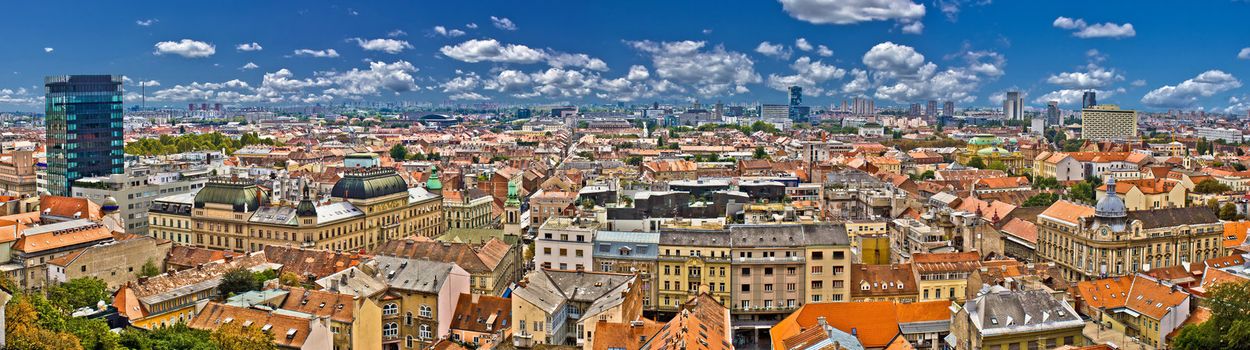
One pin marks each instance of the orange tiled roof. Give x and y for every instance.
(883, 280)
(483, 313)
(1068, 212)
(1138, 293)
(1235, 233)
(1022, 229)
(339, 307)
(214, 315)
(311, 262)
(39, 242)
(876, 323)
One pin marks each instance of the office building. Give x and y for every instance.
(1052, 113)
(915, 110)
(774, 111)
(84, 128)
(796, 96)
(1088, 99)
(931, 109)
(948, 108)
(1108, 122)
(1229, 135)
(134, 191)
(1013, 106)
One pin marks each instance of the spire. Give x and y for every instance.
(433, 184)
(513, 198)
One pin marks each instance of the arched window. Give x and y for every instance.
(425, 332)
(390, 309)
(427, 311)
(408, 318)
(390, 330)
(408, 341)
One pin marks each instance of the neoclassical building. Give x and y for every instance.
(1109, 240)
(366, 208)
(989, 149)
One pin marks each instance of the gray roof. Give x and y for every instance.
(353, 281)
(1007, 312)
(418, 194)
(549, 289)
(413, 274)
(628, 237)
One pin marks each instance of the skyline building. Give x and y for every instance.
(1013, 106)
(931, 109)
(83, 129)
(1108, 122)
(1052, 113)
(1089, 99)
(948, 108)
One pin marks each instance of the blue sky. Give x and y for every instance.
(1147, 55)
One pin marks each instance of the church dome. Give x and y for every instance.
(1111, 206)
(241, 195)
(983, 140)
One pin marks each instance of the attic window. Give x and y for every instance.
(227, 320)
(993, 320)
(266, 328)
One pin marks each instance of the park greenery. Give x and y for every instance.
(166, 144)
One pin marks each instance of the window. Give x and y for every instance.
(408, 341)
(746, 271)
(390, 309)
(768, 287)
(746, 288)
(818, 255)
(816, 270)
(390, 330)
(818, 284)
(768, 271)
(426, 311)
(425, 332)
(408, 318)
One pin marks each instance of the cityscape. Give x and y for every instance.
(693, 175)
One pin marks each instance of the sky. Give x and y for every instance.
(1148, 55)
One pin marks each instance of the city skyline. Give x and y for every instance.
(896, 52)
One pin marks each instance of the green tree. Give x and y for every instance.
(233, 336)
(1229, 325)
(236, 281)
(1082, 192)
(1044, 199)
(997, 165)
(634, 160)
(79, 292)
(177, 336)
(149, 269)
(399, 152)
(760, 153)
(1210, 186)
(976, 162)
(927, 174)
(1237, 165)
(1228, 212)
(1044, 183)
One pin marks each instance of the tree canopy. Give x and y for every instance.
(194, 142)
(79, 292)
(237, 281)
(1210, 186)
(1229, 325)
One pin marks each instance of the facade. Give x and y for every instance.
(467, 209)
(1108, 122)
(565, 244)
(1145, 194)
(492, 265)
(1109, 240)
(631, 252)
(1229, 135)
(691, 262)
(1007, 320)
(170, 218)
(43, 243)
(84, 128)
(555, 307)
(944, 276)
(1139, 306)
(420, 300)
(1013, 106)
(115, 263)
(482, 320)
(170, 298)
(135, 190)
(366, 208)
(17, 174)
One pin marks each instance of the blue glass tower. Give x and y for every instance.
(84, 128)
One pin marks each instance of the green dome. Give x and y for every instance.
(434, 184)
(992, 151)
(370, 183)
(241, 195)
(983, 140)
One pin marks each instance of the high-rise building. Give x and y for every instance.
(796, 95)
(915, 110)
(863, 106)
(931, 109)
(84, 128)
(1108, 122)
(1013, 106)
(1052, 113)
(1088, 99)
(948, 109)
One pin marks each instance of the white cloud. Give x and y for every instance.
(149, 83)
(450, 33)
(381, 76)
(19, 96)
(490, 50)
(146, 22)
(808, 74)
(899, 73)
(1071, 97)
(249, 66)
(396, 33)
(853, 11)
(1097, 30)
(1094, 77)
(508, 81)
(327, 53)
(186, 48)
(707, 31)
(561, 60)
(48, 49)
(471, 25)
(824, 51)
(913, 28)
(468, 96)
(1187, 93)
(391, 46)
(1138, 83)
(1244, 54)
(638, 72)
(462, 83)
(773, 50)
(802, 44)
(711, 72)
(248, 47)
(502, 23)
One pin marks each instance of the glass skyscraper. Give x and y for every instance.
(84, 128)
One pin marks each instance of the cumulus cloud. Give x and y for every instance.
(450, 33)
(381, 76)
(146, 22)
(773, 50)
(396, 33)
(1138, 83)
(1187, 93)
(1244, 54)
(638, 72)
(186, 48)
(19, 96)
(468, 96)
(853, 11)
(249, 66)
(824, 51)
(391, 46)
(1098, 30)
(810, 75)
(471, 25)
(48, 49)
(1094, 76)
(283, 86)
(327, 53)
(462, 83)
(802, 44)
(490, 50)
(711, 72)
(248, 47)
(913, 28)
(502, 23)
(561, 60)
(901, 74)
(1072, 97)
(951, 8)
